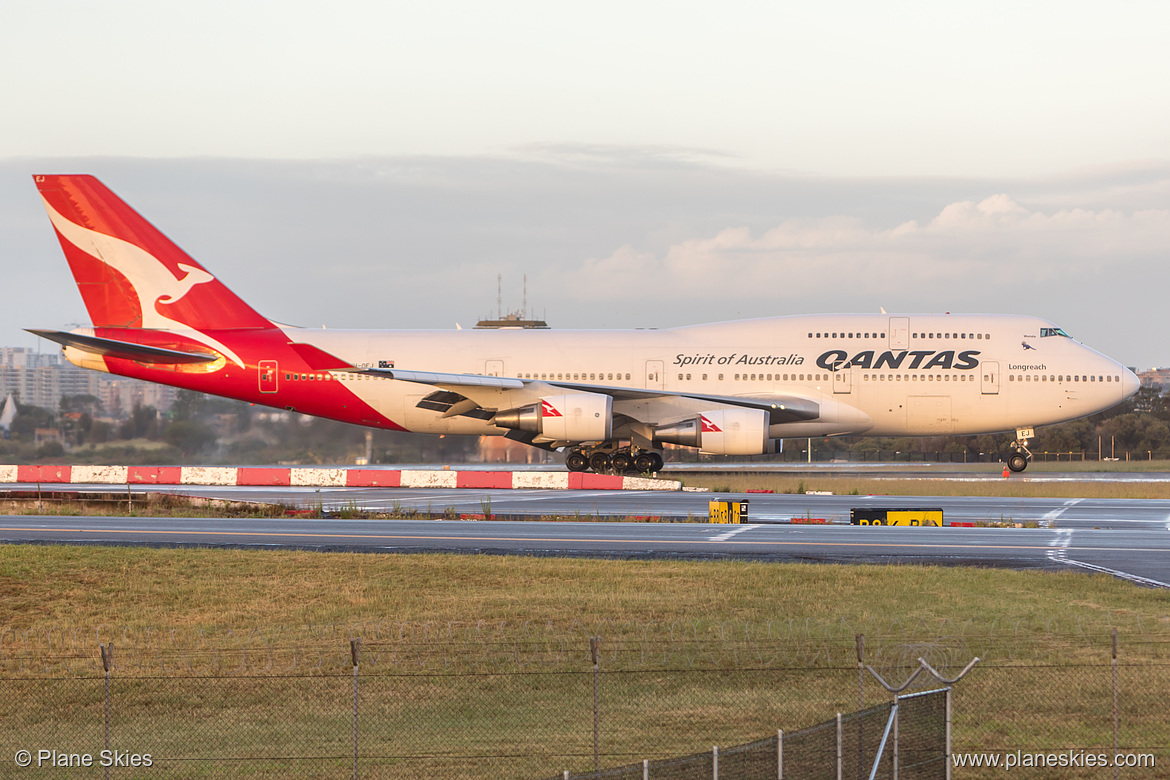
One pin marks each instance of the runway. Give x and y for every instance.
(1127, 538)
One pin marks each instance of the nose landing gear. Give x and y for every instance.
(1018, 460)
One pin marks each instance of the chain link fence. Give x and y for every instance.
(496, 701)
(905, 738)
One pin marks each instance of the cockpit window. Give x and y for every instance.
(1046, 332)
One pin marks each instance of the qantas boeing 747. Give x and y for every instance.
(609, 399)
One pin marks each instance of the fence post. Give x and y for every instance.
(949, 761)
(839, 753)
(860, 639)
(714, 762)
(780, 754)
(355, 646)
(595, 652)
(107, 661)
(895, 775)
(1116, 768)
(645, 769)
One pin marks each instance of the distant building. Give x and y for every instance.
(498, 449)
(1155, 376)
(516, 319)
(42, 436)
(41, 378)
(513, 320)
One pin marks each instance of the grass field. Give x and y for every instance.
(230, 662)
(43, 586)
(1013, 487)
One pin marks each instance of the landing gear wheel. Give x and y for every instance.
(1017, 462)
(576, 461)
(655, 462)
(643, 463)
(599, 462)
(622, 462)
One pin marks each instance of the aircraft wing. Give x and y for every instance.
(781, 409)
(445, 380)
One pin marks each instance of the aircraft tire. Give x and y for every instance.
(656, 462)
(622, 462)
(1017, 461)
(576, 461)
(599, 462)
(643, 463)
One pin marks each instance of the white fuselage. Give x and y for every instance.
(880, 375)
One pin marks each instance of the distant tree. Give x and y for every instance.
(188, 405)
(141, 424)
(29, 418)
(50, 449)
(189, 436)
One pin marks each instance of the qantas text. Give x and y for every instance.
(836, 359)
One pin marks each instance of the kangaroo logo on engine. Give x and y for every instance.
(836, 359)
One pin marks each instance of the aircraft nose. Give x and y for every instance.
(1129, 383)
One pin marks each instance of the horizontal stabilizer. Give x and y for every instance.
(123, 349)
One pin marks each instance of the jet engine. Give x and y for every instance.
(722, 432)
(571, 417)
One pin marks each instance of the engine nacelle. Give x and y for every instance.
(721, 432)
(571, 417)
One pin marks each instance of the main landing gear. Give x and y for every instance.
(1018, 460)
(608, 458)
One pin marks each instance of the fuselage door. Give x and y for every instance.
(990, 369)
(493, 368)
(843, 380)
(899, 333)
(267, 369)
(654, 376)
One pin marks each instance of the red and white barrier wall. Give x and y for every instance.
(325, 477)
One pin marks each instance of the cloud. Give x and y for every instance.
(640, 237)
(984, 245)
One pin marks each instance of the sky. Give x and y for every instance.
(379, 164)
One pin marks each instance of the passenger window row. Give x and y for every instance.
(1062, 378)
(579, 377)
(918, 377)
(847, 335)
(952, 336)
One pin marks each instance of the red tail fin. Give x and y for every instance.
(129, 273)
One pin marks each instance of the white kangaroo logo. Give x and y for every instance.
(153, 282)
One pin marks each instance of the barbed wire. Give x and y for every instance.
(486, 645)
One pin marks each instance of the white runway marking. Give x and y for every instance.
(1049, 517)
(729, 534)
(1061, 543)
(1060, 555)
(1121, 574)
